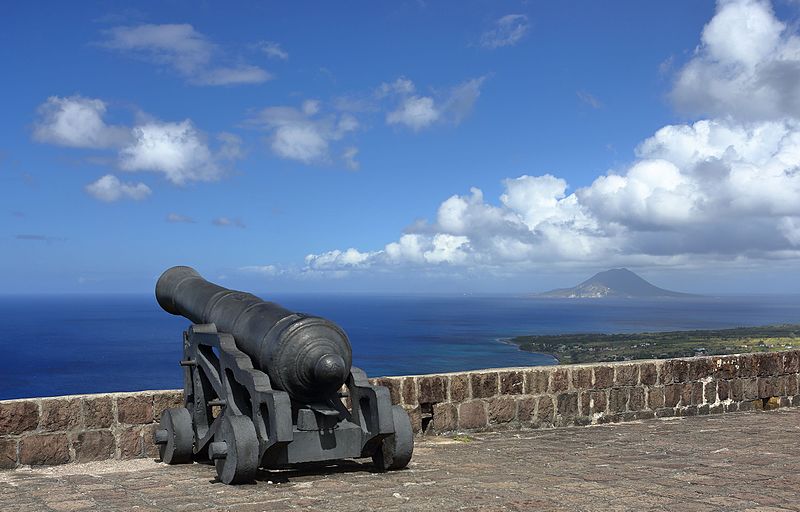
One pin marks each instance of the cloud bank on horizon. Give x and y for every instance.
(723, 188)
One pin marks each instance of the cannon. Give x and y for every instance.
(265, 387)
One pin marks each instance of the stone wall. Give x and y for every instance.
(47, 431)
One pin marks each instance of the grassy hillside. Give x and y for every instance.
(590, 348)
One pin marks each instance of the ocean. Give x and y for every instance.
(71, 344)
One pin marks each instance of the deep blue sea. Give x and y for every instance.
(57, 345)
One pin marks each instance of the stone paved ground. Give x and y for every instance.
(742, 461)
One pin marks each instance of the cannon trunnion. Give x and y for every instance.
(264, 388)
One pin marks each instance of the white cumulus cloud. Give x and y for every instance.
(77, 122)
(304, 134)
(417, 111)
(109, 189)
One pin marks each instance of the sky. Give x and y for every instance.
(409, 147)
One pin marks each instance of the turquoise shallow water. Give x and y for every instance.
(56, 345)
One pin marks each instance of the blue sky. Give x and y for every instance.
(417, 146)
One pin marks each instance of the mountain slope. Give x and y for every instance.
(617, 282)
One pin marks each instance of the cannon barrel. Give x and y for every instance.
(306, 356)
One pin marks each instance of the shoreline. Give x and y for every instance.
(599, 347)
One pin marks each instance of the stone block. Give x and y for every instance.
(770, 364)
(512, 383)
(93, 445)
(749, 389)
(676, 371)
(672, 394)
(581, 378)
(617, 400)
(723, 390)
(655, 397)
(484, 385)
(44, 449)
(97, 412)
(472, 415)
(8, 453)
(791, 362)
(603, 377)
(148, 443)
(129, 443)
(432, 389)
(636, 399)
(747, 365)
(536, 382)
(648, 374)
(790, 384)
(700, 368)
(772, 403)
(459, 388)
(716, 409)
(445, 417)
(626, 375)
(135, 409)
(559, 380)
(545, 411)
(567, 407)
(60, 414)
(598, 403)
(415, 417)
(710, 392)
(665, 412)
(409, 391)
(526, 408)
(703, 410)
(169, 399)
(725, 367)
(502, 409)
(18, 416)
(768, 387)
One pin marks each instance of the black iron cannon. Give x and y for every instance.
(264, 388)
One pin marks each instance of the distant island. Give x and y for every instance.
(591, 348)
(614, 283)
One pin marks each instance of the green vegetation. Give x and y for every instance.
(591, 348)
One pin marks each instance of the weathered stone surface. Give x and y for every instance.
(459, 387)
(432, 389)
(672, 394)
(93, 445)
(484, 385)
(710, 392)
(44, 449)
(791, 362)
(129, 443)
(790, 384)
(648, 374)
(581, 378)
(636, 399)
(655, 398)
(617, 400)
(415, 417)
(18, 416)
(723, 390)
(536, 382)
(512, 383)
(445, 417)
(8, 453)
(409, 391)
(559, 380)
(747, 365)
(676, 370)
(603, 377)
(768, 387)
(148, 443)
(526, 408)
(135, 409)
(97, 412)
(770, 364)
(598, 403)
(626, 375)
(567, 407)
(701, 367)
(472, 415)
(167, 400)
(749, 389)
(60, 414)
(725, 367)
(502, 409)
(545, 411)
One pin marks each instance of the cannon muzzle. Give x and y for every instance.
(306, 356)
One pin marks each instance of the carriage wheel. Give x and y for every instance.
(175, 436)
(395, 451)
(235, 450)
